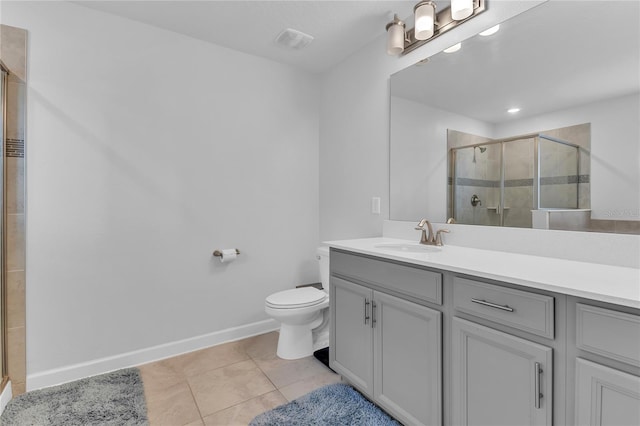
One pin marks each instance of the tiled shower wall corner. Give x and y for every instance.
(13, 51)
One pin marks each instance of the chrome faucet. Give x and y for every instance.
(430, 239)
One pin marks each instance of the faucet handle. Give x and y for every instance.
(439, 236)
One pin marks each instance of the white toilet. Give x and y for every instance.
(303, 314)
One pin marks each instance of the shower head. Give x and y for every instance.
(482, 149)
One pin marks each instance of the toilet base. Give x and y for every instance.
(295, 341)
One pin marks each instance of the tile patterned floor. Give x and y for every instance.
(228, 384)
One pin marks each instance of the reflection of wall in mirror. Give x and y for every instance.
(418, 153)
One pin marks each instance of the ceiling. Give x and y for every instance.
(340, 28)
(552, 57)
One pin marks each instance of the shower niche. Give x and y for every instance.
(524, 181)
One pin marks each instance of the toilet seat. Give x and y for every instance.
(296, 298)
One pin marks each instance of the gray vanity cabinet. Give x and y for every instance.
(499, 379)
(607, 384)
(407, 360)
(389, 348)
(351, 346)
(606, 396)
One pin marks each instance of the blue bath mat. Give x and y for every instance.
(332, 405)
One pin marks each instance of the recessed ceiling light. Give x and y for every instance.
(490, 31)
(453, 48)
(513, 110)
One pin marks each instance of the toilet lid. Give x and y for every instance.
(296, 298)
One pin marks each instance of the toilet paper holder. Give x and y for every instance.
(218, 253)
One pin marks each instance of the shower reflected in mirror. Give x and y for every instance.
(518, 181)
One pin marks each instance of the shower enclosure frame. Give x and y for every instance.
(4, 74)
(536, 169)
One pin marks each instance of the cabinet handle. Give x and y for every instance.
(373, 313)
(492, 305)
(366, 311)
(537, 396)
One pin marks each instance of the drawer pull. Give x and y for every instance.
(492, 305)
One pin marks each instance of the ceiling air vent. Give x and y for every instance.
(293, 39)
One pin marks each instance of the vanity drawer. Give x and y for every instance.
(609, 333)
(405, 279)
(526, 311)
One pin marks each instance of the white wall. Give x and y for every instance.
(146, 151)
(615, 151)
(354, 133)
(419, 133)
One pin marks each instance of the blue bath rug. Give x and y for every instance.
(332, 405)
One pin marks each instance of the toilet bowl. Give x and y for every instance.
(303, 314)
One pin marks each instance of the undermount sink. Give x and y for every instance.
(409, 248)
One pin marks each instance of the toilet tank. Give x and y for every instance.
(323, 263)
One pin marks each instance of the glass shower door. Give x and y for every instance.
(476, 184)
(559, 174)
(518, 184)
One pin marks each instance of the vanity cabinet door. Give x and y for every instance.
(351, 347)
(499, 379)
(407, 360)
(605, 396)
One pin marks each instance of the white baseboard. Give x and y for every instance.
(130, 359)
(5, 396)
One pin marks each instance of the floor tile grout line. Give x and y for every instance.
(202, 417)
(195, 401)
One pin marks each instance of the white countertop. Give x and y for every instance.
(613, 284)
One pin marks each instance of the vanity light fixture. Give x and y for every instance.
(395, 36)
(490, 31)
(513, 110)
(453, 48)
(429, 24)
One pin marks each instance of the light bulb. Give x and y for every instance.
(461, 9)
(425, 20)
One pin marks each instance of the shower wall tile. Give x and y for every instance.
(13, 50)
(16, 354)
(18, 388)
(15, 242)
(519, 217)
(584, 196)
(598, 225)
(627, 227)
(569, 220)
(15, 299)
(16, 96)
(14, 185)
(559, 196)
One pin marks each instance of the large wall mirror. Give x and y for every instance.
(568, 159)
